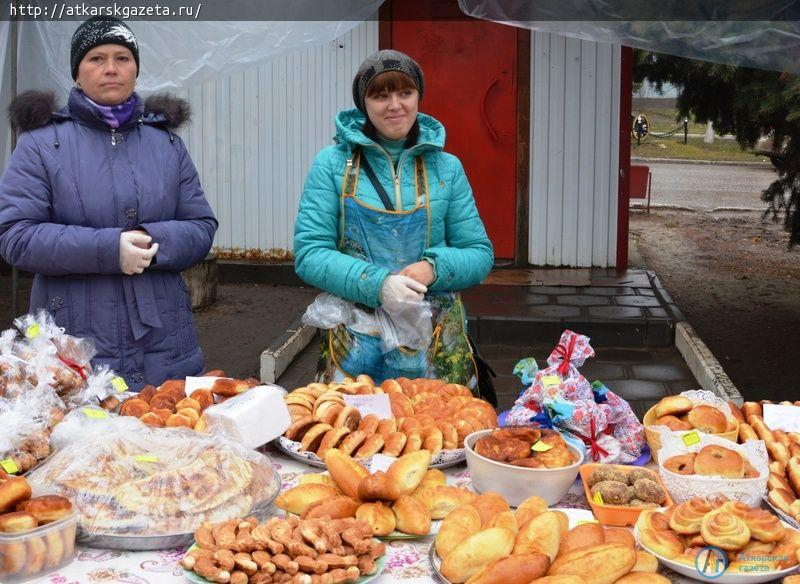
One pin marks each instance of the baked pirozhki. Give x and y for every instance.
(679, 414)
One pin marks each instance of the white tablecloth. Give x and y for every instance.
(407, 560)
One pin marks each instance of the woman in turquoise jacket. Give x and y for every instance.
(388, 218)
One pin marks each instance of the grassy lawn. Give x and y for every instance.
(695, 149)
(663, 120)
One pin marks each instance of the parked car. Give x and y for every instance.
(772, 146)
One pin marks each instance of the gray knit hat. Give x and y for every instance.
(101, 30)
(380, 62)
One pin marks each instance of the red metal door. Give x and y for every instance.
(471, 87)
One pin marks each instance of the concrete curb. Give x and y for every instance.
(705, 367)
(711, 162)
(276, 358)
(669, 207)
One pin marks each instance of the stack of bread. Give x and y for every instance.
(484, 542)
(753, 538)
(405, 498)
(27, 545)
(290, 550)
(679, 413)
(427, 414)
(168, 405)
(784, 455)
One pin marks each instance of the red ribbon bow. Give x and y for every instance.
(566, 354)
(594, 448)
(80, 369)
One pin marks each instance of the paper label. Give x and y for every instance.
(381, 462)
(778, 417)
(598, 498)
(195, 383)
(146, 458)
(377, 404)
(119, 384)
(33, 331)
(549, 380)
(9, 466)
(94, 414)
(691, 438)
(541, 446)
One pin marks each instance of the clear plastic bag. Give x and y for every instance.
(25, 425)
(97, 388)
(145, 481)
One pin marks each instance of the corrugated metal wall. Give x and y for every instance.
(574, 151)
(254, 136)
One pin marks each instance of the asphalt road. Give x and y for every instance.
(706, 187)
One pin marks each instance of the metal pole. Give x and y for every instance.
(14, 69)
(685, 130)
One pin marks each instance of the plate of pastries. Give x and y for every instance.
(405, 501)
(169, 406)
(290, 549)
(37, 530)
(487, 542)
(712, 460)
(137, 487)
(525, 447)
(758, 546)
(427, 414)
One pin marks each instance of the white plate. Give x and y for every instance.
(724, 578)
(575, 516)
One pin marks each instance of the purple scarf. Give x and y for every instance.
(115, 115)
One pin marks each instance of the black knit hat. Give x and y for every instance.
(101, 30)
(381, 62)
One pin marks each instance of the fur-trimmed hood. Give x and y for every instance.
(33, 109)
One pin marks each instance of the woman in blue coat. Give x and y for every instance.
(387, 218)
(102, 202)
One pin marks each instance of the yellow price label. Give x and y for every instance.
(549, 380)
(33, 331)
(598, 498)
(95, 414)
(146, 458)
(9, 466)
(541, 446)
(119, 384)
(691, 438)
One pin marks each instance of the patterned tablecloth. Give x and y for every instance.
(407, 559)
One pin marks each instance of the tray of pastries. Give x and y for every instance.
(427, 414)
(150, 488)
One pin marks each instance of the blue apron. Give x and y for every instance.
(393, 240)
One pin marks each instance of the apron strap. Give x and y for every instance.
(376, 184)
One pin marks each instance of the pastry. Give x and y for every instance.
(514, 569)
(378, 516)
(649, 491)
(441, 500)
(751, 409)
(489, 505)
(620, 536)
(724, 530)
(298, 499)
(47, 508)
(793, 474)
(583, 535)
(612, 492)
(673, 423)
(13, 491)
(643, 578)
(599, 564)
(411, 516)
(369, 424)
(662, 543)
(682, 464)
(687, 516)
(673, 405)
(59, 546)
(607, 472)
(407, 471)
(178, 420)
(336, 507)
(36, 556)
(394, 442)
(348, 417)
(708, 419)
(541, 534)
(507, 520)
(331, 439)
(346, 472)
(461, 523)
(530, 508)
(314, 435)
(371, 445)
(378, 487)
(433, 478)
(746, 433)
(716, 460)
(764, 526)
(475, 552)
(229, 387)
(17, 521)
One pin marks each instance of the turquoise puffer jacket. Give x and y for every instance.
(459, 247)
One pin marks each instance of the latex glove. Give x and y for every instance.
(134, 255)
(398, 290)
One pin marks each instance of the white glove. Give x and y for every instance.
(399, 290)
(134, 253)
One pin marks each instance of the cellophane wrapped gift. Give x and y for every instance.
(561, 396)
(145, 481)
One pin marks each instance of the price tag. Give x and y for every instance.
(541, 446)
(95, 414)
(377, 404)
(381, 462)
(582, 521)
(691, 438)
(9, 466)
(119, 384)
(598, 498)
(33, 331)
(549, 380)
(146, 458)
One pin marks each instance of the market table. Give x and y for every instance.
(407, 559)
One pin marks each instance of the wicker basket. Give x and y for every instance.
(654, 439)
